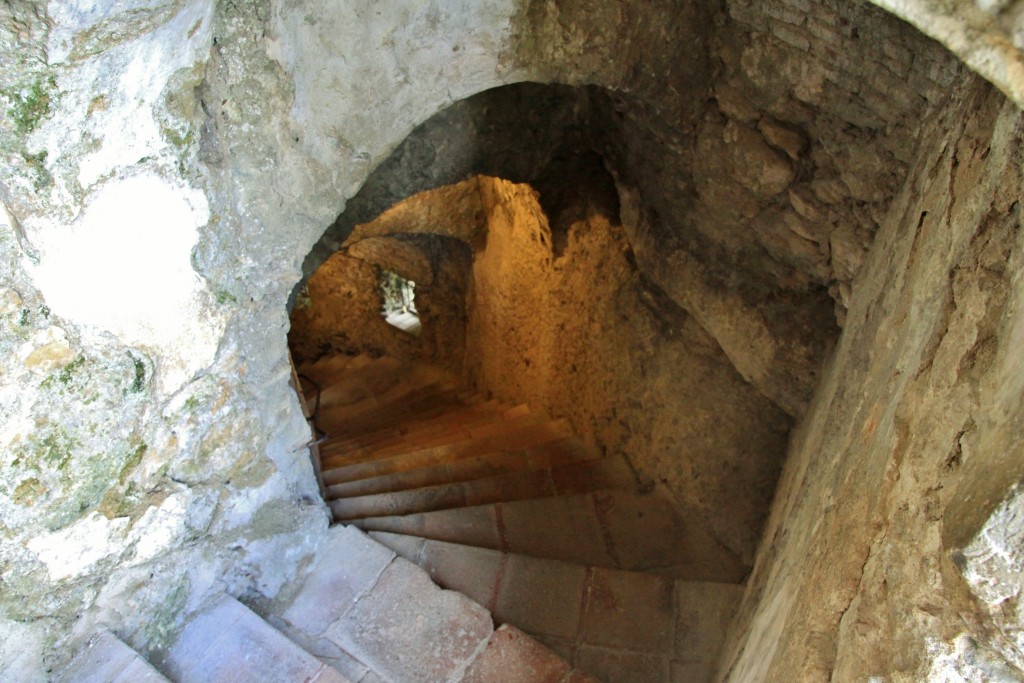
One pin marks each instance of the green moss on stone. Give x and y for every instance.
(162, 624)
(65, 375)
(55, 449)
(132, 461)
(138, 384)
(117, 503)
(31, 102)
(37, 162)
(28, 491)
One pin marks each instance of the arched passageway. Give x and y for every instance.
(782, 170)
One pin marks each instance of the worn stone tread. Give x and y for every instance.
(518, 434)
(635, 530)
(375, 412)
(107, 659)
(540, 457)
(603, 473)
(227, 642)
(422, 422)
(612, 624)
(503, 424)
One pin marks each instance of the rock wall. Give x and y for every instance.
(179, 160)
(340, 309)
(878, 559)
(151, 447)
(583, 334)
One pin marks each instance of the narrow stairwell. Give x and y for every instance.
(475, 542)
(511, 509)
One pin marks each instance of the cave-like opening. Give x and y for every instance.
(516, 211)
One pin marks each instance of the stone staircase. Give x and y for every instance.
(456, 513)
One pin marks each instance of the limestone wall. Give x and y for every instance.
(340, 309)
(178, 160)
(861, 569)
(583, 334)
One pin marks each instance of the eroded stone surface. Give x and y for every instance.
(267, 122)
(914, 419)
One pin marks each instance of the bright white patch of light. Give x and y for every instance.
(125, 267)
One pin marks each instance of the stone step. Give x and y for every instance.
(615, 625)
(383, 379)
(511, 656)
(610, 472)
(372, 413)
(395, 402)
(375, 616)
(422, 404)
(515, 434)
(106, 659)
(371, 379)
(411, 434)
(329, 369)
(421, 423)
(228, 642)
(533, 459)
(510, 421)
(618, 529)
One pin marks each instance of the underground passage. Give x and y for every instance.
(512, 341)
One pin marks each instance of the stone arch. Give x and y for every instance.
(279, 113)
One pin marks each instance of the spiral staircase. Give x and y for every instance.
(474, 541)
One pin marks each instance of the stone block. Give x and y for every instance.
(348, 565)
(622, 666)
(474, 572)
(512, 656)
(562, 527)
(610, 472)
(541, 596)
(517, 486)
(785, 13)
(691, 672)
(629, 610)
(645, 530)
(783, 137)
(408, 547)
(790, 35)
(228, 643)
(703, 612)
(408, 629)
(346, 665)
(106, 659)
(476, 525)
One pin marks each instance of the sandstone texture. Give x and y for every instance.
(756, 214)
(891, 549)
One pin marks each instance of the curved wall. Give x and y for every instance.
(262, 119)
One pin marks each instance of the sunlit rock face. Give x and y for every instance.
(785, 169)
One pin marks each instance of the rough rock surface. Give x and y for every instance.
(579, 333)
(901, 479)
(340, 308)
(181, 158)
(585, 335)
